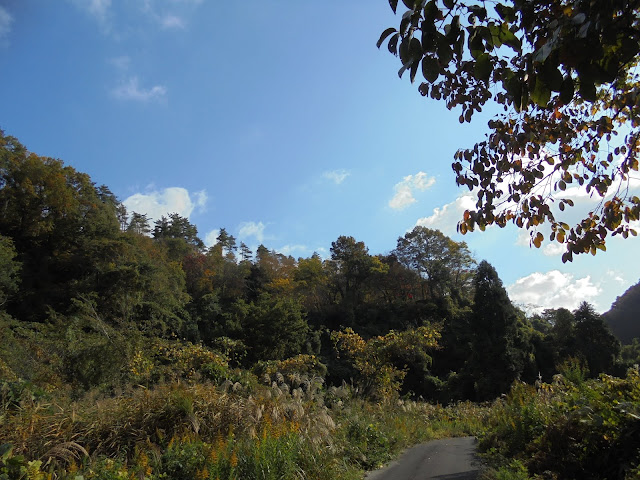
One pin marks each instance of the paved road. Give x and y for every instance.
(446, 459)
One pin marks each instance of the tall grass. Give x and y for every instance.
(289, 427)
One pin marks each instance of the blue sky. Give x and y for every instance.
(277, 119)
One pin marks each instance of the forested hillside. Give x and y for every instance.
(624, 315)
(98, 304)
(86, 275)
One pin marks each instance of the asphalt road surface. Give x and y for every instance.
(446, 459)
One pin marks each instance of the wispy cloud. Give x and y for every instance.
(171, 15)
(99, 9)
(252, 229)
(6, 19)
(121, 63)
(157, 203)
(336, 176)
(553, 289)
(131, 90)
(404, 190)
(170, 21)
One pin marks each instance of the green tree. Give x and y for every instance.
(563, 335)
(274, 328)
(596, 343)
(312, 283)
(54, 215)
(245, 252)
(383, 362)
(227, 242)
(139, 223)
(9, 269)
(565, 74)
(353, 266)
(177, 227)
(445, 267)
(498, 352)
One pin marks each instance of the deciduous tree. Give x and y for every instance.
(565, 74)
(444, 266)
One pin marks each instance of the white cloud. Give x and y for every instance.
(554, 249)
(168, 15)
(523, 239)
(201, 199)
(211, 238)
(130, 90)
(155, 204)
(404, 189)
(336, 176)
(551, 249)
(6, 19)
(252, 229)
(121, 63)
(99, 9)
(553, 289)
(172, 21)
(615, 276)
(447, 217)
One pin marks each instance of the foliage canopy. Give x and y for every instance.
(565, 74)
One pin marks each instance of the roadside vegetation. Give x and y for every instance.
(572, 428)
(269, 427)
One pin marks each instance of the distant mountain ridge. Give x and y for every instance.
(624, 315)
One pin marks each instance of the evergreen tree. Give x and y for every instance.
(594, 339)
(227, 241)
(139, 224)
(497, 356)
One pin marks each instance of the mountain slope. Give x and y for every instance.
(624, 315)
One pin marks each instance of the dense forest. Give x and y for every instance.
(98, 303)
(85, 273)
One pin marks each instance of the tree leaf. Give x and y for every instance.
(403, 69)
(507, 37)
(537, 241)
(449, 3)
(394, 5)
(393, 44)
(588, 90)
(476, 46)
(430, 69)
(405, 23)
(478, 11)
(541, 93)
(483, 67)
(506, 13)
(414, 70)
(566, 90)
(552, 76)
(415, 50)
(405, 57)
(384, 35)
(445, 53)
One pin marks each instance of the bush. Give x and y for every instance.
(589, 429)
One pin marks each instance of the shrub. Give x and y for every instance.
(589, 429)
